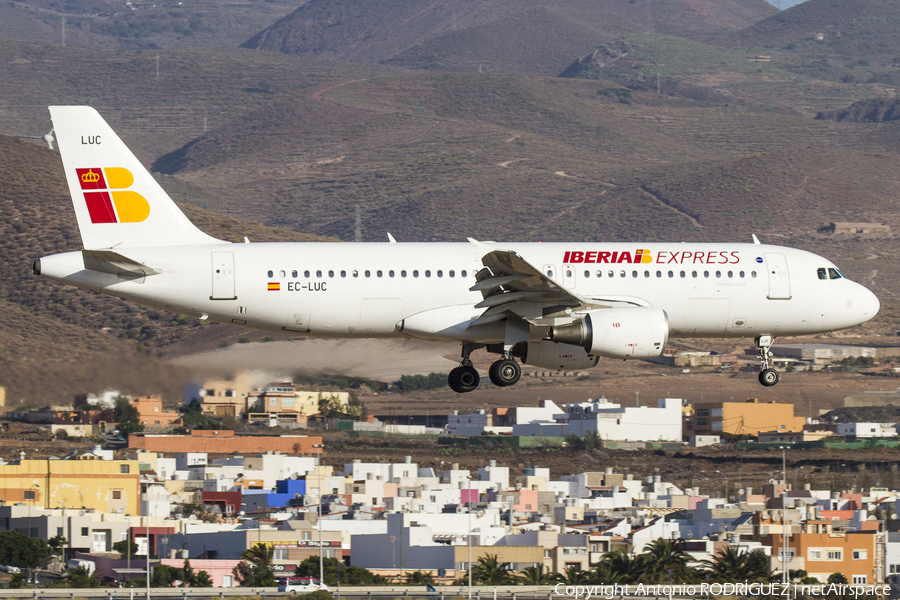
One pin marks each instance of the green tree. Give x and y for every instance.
(731, 565)
(80, 577)
(838, 578)
(419, 578)
(575, 576)
(203, 580)
(255, 568)
(125, 547)
(666, 562)
(619, 567)
(349, 575)
(490, 571)
(127, 418)
(188, 579)
(539, 575)
(24, 552)
(164, 576)
(58, 543)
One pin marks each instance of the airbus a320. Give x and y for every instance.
(550, 305)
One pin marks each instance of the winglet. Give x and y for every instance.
(755, 239)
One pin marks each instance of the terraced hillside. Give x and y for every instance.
(371, 31)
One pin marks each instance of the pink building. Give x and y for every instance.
(219, 569)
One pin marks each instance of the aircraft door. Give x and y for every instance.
(551, 272)
(222, 276)
(779, 277)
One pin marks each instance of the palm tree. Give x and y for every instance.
(666, 562)
(575, 576)
(537, 576)
(255, 568)
(731, 564)
(618, 566)
(490, 571)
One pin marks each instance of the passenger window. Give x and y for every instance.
(550, 273)
(379, 273)
(415, 273)
(331, 273)
(671, 274)
(440, 273)
(390, 273)
(706, 273)
(634, 273)
(646, 273)
(451, 273)
(719, 274)
(427, 273)
(294, 274)
(271, 274)
(694, 274)
(599, 274)
(834, 274)
(753, 274)
(402, 273)
(319, 274)
(741, 274)
(682, 274)
(658, 274)
(368, 273)
(621, 273)
(306, 274)
(343, 273)
(587, 274)
(462, 273)
(355, 273)
(730, 274)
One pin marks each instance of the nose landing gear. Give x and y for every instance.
(767, 375)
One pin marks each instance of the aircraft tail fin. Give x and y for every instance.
(117, 201)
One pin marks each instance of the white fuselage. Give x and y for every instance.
(422, 289)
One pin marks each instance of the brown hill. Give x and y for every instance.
(536, 41)
(873, 110)
(104, 23)
(371, 31)
(862, 29)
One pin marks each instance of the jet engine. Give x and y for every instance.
(550, 355)
(629, 333)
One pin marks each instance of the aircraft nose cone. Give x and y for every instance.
(866, 304)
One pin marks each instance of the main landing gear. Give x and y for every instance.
(767, 375)
(465, 378)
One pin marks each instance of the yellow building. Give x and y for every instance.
(742, 418)
(103, 485)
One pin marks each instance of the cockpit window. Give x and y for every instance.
(823, 274)
(835, 274)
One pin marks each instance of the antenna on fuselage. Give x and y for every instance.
(755, 239)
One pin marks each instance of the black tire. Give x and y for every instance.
(467, 379)
(505, 372)
(768, 377)
(453, 380)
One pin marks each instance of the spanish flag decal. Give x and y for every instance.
(274, 286)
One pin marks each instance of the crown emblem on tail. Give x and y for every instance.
(90, 177)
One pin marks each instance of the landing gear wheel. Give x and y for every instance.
(463, 379)
(768, 377)
(505, 372)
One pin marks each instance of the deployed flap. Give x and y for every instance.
(511, 285)
(107, 261)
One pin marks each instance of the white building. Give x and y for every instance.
(867, 430)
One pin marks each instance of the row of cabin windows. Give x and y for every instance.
(354, 273)
(659, 274)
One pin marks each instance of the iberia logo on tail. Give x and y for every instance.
(108, 198)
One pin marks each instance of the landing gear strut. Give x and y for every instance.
(464, 378)
(767, 375)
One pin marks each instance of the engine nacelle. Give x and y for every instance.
(553, 355)
(630, 333)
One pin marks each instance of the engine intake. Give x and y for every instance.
(630, 333)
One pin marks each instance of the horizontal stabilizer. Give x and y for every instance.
(106, 261)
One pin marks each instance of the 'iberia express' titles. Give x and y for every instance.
(644, 256)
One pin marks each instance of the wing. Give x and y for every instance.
(512, 286)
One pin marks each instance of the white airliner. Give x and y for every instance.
(554, 306)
